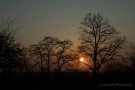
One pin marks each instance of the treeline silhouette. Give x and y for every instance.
(111, 58)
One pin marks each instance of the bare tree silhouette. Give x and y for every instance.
(64, 54)
(99, 41)
(9, 48)
(45, 51)
(37, 52)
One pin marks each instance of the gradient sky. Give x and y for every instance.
(61, 18)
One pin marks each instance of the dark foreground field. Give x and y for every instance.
(66, 81)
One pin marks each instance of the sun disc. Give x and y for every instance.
(81, 59)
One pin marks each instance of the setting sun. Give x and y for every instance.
(81, 59)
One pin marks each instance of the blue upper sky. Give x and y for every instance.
(61, 18)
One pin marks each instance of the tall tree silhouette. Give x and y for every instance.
(9, 48)
(45, 51)
(99, 40)
(65, 53)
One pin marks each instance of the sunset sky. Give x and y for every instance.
(61, 18)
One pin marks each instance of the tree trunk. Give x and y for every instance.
(48, 69)
(94, 69)
(94, 73)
